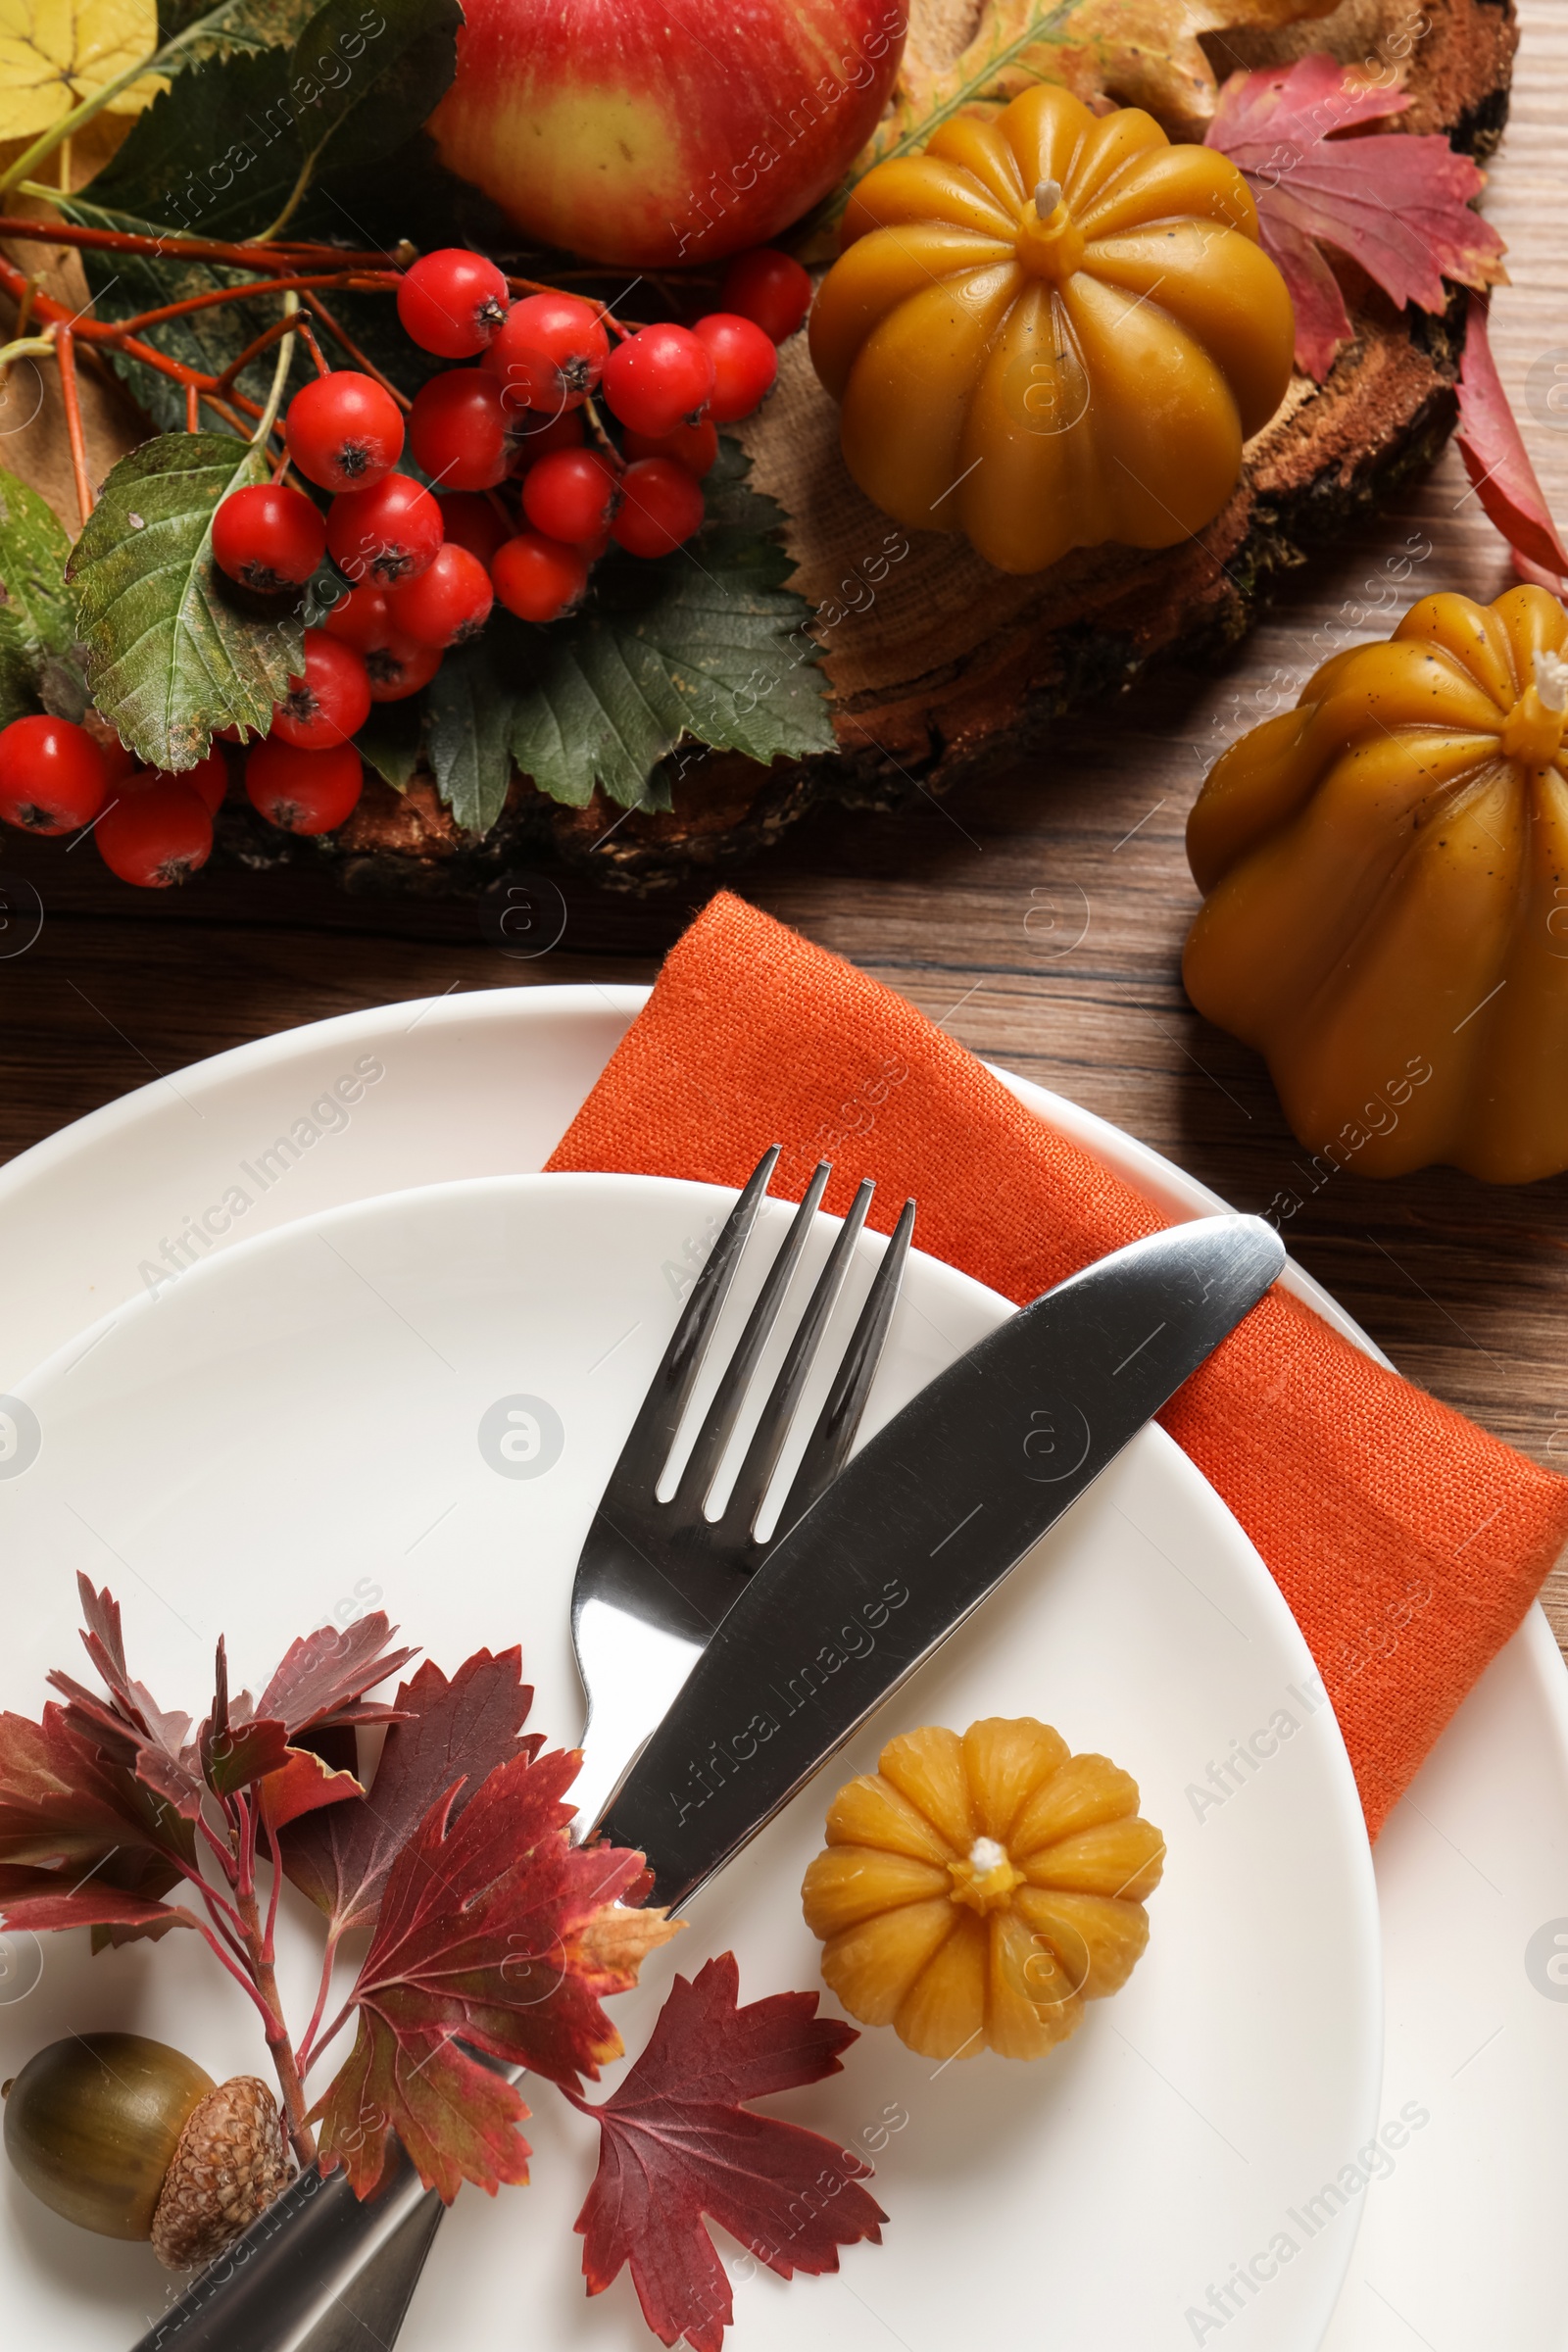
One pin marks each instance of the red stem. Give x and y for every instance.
(273, 334)
(193, 409)
(278, 2040)
(268, 1945)
(305, 2055)
(361, 359)
(237, 1973)
(265, 259)
(219, 1904)
(357, 281)
(333, 2029)
(70, 400)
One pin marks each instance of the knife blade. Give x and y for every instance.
(926, 1521)
(920, 1526)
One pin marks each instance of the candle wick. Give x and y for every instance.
(1048, 195)
(1552, 680)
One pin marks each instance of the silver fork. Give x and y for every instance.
(653, 1581)
(655, 1578)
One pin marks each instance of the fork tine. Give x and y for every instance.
(712, 1439)
(652, 1432)
(829, 1447)
(756, 1472)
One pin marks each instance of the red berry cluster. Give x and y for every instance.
(425, 569)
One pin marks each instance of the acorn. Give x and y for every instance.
(128, 2138)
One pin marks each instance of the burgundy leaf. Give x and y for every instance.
(1496, 459)
(485, 1929)
(171, 1777)
(1397, 205)
(324, 1677)
(94, 1907)
(67, 1806)
(302, 1784)
(105, 1646)
(451, 1732)
(130, 1727)
(241, 1753)
(677, 2143)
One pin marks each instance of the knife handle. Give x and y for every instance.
(298, 2279)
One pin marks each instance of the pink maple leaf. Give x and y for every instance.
(1396, 204)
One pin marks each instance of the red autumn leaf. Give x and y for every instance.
(130, 1727)
(94, 1907)
(484, 1930)
(324, 1677)
(1496, 459)
(449, 1733)
(678, 2143)
(69, 1815)
(301, 1784)
(1398, 204)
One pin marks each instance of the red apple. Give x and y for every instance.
(641, 133)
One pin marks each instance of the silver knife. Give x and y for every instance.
(914, 1532)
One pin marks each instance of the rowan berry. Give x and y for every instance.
(269, 537)
(344, 432)
(452, 302)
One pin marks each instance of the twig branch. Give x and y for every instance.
(360, 358)
(66, 354)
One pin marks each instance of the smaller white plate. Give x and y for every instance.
(307, 1426)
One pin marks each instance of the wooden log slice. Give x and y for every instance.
(936, 662)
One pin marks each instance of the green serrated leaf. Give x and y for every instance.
(170, 652)
(363, 77)
(19, 671)
(215, 155)
(707, 643)
(33, 549)
(389, 741)
(468, 710)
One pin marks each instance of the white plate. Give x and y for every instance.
(1472, 1869)
(299, 1427)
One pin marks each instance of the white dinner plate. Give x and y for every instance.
(1462, 2243)
(307, 1425)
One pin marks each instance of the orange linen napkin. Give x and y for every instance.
(1407, 1543)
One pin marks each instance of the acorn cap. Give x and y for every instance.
(229, 2167)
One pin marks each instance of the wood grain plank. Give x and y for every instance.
(1038, 914)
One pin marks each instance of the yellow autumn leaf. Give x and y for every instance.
(54, 53)
(1137, 51)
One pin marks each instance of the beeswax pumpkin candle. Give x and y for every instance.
(975, 1892)
(1049, 329)
(1387, 911)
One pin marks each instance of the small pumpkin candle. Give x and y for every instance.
(1387, 910)
(1049, 329)
(976, 1892)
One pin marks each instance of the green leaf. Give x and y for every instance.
(362, 78)
(389, 741)
(33, 549)
(19, 671)
(213, 156)
(468, 713)
(255, 25)
(171, 654)
(123, 284)
(707, 643)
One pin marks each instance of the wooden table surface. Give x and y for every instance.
(1038, 915)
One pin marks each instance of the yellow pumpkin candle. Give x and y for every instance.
(1387, 910)
(1049, 329)
(976, 1892)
